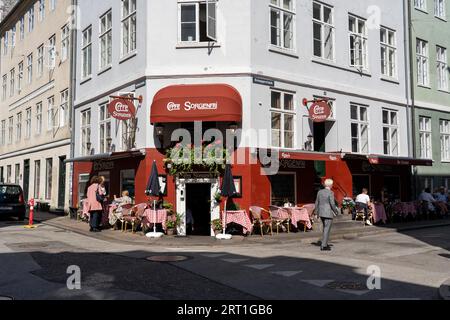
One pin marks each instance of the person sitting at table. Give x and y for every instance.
(363, 201)
(426, 197)
(442, 201)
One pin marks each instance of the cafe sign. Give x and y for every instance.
(190, 106)
(122, 109)
(319, 111)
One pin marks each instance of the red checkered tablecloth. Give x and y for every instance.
(241, 218)
(299, 215)
(379, 213)
(149, 217)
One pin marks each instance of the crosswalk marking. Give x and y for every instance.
(260, 266)
(355, 292)
(318, 283)
(235, 260)
(287, 274)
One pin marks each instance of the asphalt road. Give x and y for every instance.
(34, 265)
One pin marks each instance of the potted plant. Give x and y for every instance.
(347, 205)
(173, 221)
(217, 226)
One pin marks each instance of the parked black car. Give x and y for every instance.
(12, 202)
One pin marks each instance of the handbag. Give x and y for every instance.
(100, 197)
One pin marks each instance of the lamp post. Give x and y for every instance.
(88, 147)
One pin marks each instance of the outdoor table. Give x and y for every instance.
(405, 208)
(148, 217)
(379, 212)
(241, 218)
(299, 215)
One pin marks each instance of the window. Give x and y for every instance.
(40, 61)
(425, 138)
(17, 174)
(8, 173)
(30, 68)
(41, 10)
(28, 124)
(388, 52)
(19, 78)
(323, 28)
(12, 82)
(86, 53)
(22, 28)
(105, 129)
(4, 87)
(48, 178)
(39, 118)
(439, 9)
(444, 126)
(85, 132)
(3, 133)
(37, 179)
(358, 43)
(10, 129)
(127, 181)
(52, 52)
(283, 119)
(64, 108)
(105, 40)
(64, 43)
(282, 25)
(128, 27)
(51, 114)
(31, 19)
(13, 36)
(283, 189)
(422, 62)
(83, 182)
(198, 23)
(19, 127)
(390, 132)
(52, 5)
(359, 128)
(420, 4)
(5, 44)
(442, 68)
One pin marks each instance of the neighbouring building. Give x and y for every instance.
(430, 43)
(244, 67)
(35, 100)
(5, 7)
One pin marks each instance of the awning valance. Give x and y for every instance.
(306, 155)
(196, 102)
(387, 160)
(108, 156)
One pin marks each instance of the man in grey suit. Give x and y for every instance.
(326, 209)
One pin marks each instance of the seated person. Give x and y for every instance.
(363, 201)
(442, 200)
(426, 197)
(124, 200)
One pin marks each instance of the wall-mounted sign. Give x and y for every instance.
(189, 106)
(103, 165)
(292, 164)
(320, 111)
(122, 109)
(264, 82)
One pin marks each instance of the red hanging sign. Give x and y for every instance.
(122, 109)
(320, 111)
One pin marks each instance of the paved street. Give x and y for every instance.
(413, 265)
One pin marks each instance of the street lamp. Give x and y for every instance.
(309, 142)
(109, 143)
(88, 146)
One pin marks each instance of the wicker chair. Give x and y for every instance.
(135, 216)
(262, 218)
(280, 219)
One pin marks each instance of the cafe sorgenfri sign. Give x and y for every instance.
(190, 106)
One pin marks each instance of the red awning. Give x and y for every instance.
(374, 159)
(196, 102)
(307, 155)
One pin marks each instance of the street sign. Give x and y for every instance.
(320, 111)
(122, 109)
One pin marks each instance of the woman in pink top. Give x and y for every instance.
(94, 206)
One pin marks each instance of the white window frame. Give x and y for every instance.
(363, 39)
(196, 4)
(323, 27)
(28, 124)
(392, 128)
(30, 68)
(38, 118)
(440, 9)
(283, 111)
(3, 133)
(64, 108)
(442, 68)
(105, 40)
(13, 36)
(388, 53)
(22, 28)
(10, 130)
(31, 19)
(277, 6)
(104, 121)
(19, 127)
(51, 57)
(19, 77)
(51, 114)
(420, 5)
(5, 43)
(52, 5)
(425, 138)
(40, 61)
(86, 53)
(12, 82)
(444, 128)
(65, 33)
(361, 123)
(422, 59)
(85, 125)
(41, 15)
(4, 87)
(130, 37)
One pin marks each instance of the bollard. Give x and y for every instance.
(31, 215)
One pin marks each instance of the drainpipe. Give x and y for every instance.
(73, 78)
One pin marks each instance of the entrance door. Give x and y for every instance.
(26, 178)
(319, 146)
(198, 198)
(62, 183)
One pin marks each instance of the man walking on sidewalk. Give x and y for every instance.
(326, 209)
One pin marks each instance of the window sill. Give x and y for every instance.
(389, 79)
(197, 45)
(421, 10)
(424, 86)
(444, 91)
(445, 161)
(443, 19)
(286, 52)
(105, 69)
(87, 79)
(335, 65)
(128, 57)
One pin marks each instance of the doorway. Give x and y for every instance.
(198, 197)
(62, 183)
(26, 179)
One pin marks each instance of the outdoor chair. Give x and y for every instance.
(360, 214)
(135, 216)
(262, 218)
(280, 220)
(126, 211)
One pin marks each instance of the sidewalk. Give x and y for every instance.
(343, 229)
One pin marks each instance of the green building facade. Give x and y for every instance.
(430, 53)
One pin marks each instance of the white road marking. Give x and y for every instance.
(318, 283)
(355, 292)
(259, 266)
(235, 260)
(287, 274)
(214, 255)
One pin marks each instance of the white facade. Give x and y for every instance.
(243, 51)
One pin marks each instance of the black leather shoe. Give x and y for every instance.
(325, 248)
